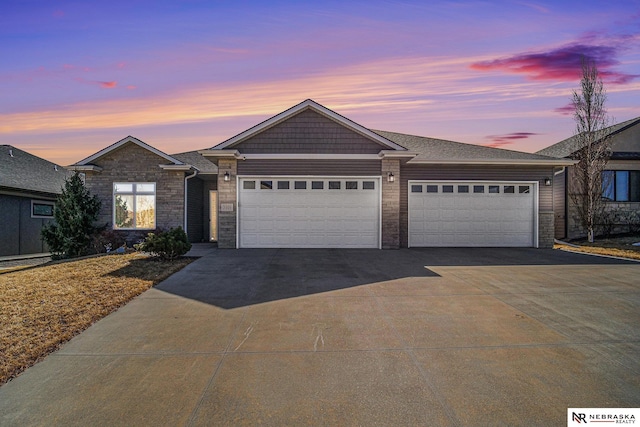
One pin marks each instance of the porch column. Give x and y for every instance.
(227, 203)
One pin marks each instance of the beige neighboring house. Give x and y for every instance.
(309, 177)
(622, 175)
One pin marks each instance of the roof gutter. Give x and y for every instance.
(499, 162)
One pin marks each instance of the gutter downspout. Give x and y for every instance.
(187, 178)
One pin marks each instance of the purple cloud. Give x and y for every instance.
(507, 139)
(566, 110)
(561, 64)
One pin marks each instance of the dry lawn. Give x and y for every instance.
(619, 246)
(45, 306)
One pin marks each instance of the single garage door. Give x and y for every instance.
(482, 214)
(283, 212)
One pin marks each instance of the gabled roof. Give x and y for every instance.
(304, 105)
(198, 161)
(22, 171)
(567, 146)
(128, 139)
(440, 151)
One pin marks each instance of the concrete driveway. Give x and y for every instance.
(435, 337)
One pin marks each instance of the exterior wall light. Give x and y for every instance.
(390, 177)
(547, 181)
(227, 177)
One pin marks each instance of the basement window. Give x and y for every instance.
(41, 209)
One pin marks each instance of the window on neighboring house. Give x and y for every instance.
(134, 205)
(40, 209)
(621, 186)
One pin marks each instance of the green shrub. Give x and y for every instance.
(166, 245)
(75, 212)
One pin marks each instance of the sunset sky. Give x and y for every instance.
(76, 76)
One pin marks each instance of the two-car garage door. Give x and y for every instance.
(309, 212)
(481, 214)
(338, 212)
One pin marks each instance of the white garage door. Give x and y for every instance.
(283, 212)
(482, 214)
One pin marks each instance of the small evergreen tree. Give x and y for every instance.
(75, 212)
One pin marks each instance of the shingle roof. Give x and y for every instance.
(23, 171)
(567, 146)
(196, 160)
(434, 150)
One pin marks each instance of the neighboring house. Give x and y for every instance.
(311, 178)
(29, 186)
(622, 178)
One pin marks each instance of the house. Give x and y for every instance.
(143, 189)
(622, 180)
(29, 186)
(311, 178)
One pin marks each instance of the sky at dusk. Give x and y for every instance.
(77, 76)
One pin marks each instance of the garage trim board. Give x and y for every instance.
(309, 211)
(472, 213)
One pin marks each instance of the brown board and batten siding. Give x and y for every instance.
(195, 208)
(472, 173)
(284, 167)
(559, 205)
(309, 132)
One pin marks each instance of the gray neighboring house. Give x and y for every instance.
(622, 193)
(311, 178)
(29, 186)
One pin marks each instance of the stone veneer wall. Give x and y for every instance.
(545, 229)
(390, 204)
(132, 163)
(227, 198)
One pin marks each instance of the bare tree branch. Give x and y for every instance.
(592, 148)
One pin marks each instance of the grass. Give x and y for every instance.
(42, 307)
(618, 246)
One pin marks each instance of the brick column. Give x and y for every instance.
(227, 203)
(545, 230)
(390, 204)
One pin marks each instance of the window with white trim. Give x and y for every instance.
(134, 205)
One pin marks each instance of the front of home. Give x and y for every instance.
(621, 178)
(311, 178)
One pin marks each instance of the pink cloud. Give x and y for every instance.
(507, 139)
(102, 84)
(566, 110)
(561, 64)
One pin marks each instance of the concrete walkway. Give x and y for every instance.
(434, 337)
